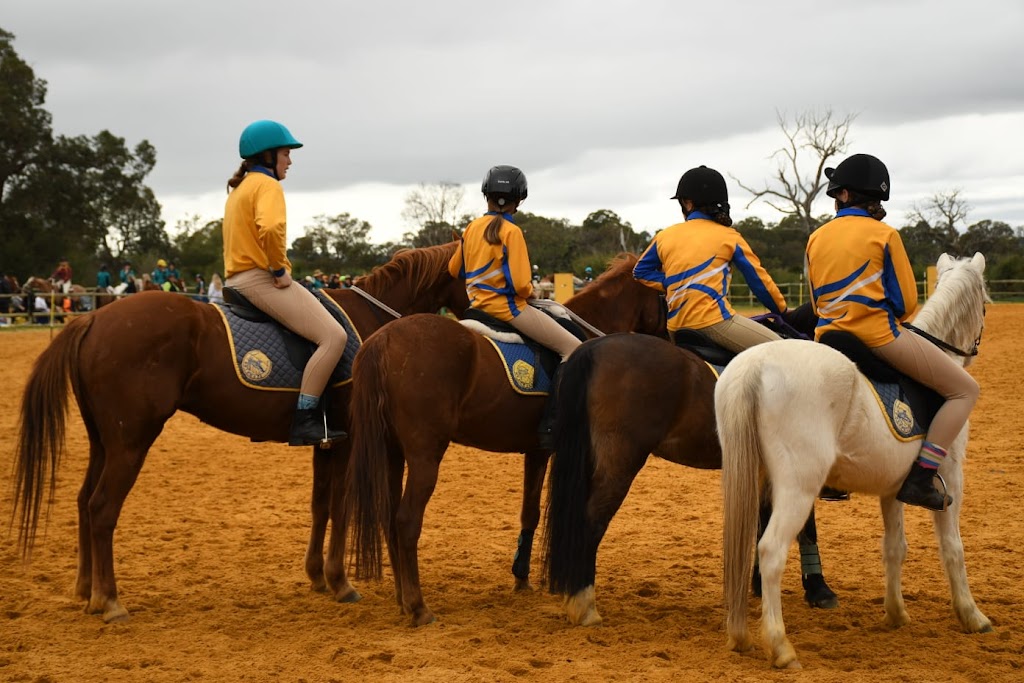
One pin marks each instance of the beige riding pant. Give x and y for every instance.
(739, 333)
(919, 359)
(545, 331)
(299, 311)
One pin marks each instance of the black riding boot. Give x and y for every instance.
(309, 428)
(546, 428)
(919, 489)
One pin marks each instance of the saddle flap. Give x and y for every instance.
(242, 307)
(696, 342)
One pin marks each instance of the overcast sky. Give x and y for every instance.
(602, 103)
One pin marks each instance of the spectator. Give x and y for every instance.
(5, 299)
(41, 309)
(61, 277)
(201, 288)
(216, 292)
(160, 276)
(104, 282)
(174, 279)
(318, 282)
(127, 277)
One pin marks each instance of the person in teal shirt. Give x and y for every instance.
(103, 279)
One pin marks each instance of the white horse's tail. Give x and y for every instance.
(736, 408)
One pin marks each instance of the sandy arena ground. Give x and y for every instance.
(209, 557)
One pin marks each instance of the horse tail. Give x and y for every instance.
(367, 497)
(44, 407)
(569, 551)
(737, 406)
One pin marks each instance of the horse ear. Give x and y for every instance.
(455, 236)
(944, 262)
(978, 261)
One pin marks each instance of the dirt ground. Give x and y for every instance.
(209, 557)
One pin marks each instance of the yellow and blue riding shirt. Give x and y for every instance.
(692, 263)
(860, 277)
(498, 279)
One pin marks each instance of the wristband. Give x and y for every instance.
(279, 272)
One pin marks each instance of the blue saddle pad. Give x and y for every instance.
(904, 423)
(525, 374)
(271, 357)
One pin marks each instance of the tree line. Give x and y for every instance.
(85, 198)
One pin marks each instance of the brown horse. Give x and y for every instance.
(425, 381)
(45, 287)
(180, 347)
(622, 398)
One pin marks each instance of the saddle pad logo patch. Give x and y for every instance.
(902, 417)
(523, 374)
(256, 365)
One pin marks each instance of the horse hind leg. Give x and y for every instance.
(83, 581)
(785, 524)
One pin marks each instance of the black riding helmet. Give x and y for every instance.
(504, 182)
(703, 186)
(861, 173)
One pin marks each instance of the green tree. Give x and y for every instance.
(991, 238)
(549, 240)
(24, 124)
(199, 247)
(337, 244)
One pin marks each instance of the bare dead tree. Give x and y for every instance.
(942, 211)
(812, 138)
(433, 204)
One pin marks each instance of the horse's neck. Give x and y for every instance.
(608, 314)
(953, 315)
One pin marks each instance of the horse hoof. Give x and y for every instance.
(818, 594)
(424, 618)
(115, 615)
(742, 644)
(318, 585)
(523, 585)
(351, 596)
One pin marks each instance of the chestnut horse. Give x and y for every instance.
(622, 398)
(180, 347)
(425, 381)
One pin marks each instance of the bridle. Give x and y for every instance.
(946, 345)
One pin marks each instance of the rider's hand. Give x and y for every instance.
(283, 282)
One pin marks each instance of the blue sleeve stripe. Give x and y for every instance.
(754, 280)
(510, 290)
(648, 268)
(478, 271)
(715, 296)
(891, 285)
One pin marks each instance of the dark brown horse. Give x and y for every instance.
(624, 397)
(425, 381)
(180, 348)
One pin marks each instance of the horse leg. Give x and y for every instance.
(83, 582)
(772, 549)
(419, 487)
(104, 507)
(396, 472)
(617, 464)
(894, 552)
(816, 591)
(951, 550)
(534, 468)
(335, 576)
(320, 502)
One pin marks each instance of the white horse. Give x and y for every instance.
(799, 415)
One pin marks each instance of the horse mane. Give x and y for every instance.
(623, 262)
(955, 312)
(420, 268)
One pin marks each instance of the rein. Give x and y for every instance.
(944, 345)
(544, 303)
(377, 302)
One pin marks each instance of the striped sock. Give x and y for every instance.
(931, 455)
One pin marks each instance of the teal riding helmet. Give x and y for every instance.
(260, 136)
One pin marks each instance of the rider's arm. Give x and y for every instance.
(760, 282)
(649, 269)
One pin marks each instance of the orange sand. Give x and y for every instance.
(209, 557)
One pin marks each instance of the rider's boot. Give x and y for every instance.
(919, 489)
(546, 428)
(309, 428)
